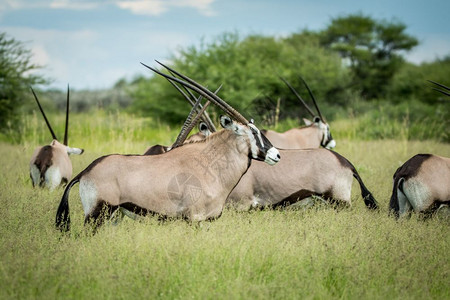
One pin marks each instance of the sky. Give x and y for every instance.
(93, 44)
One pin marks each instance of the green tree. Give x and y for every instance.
(372, 49)
(248, 68)
(15, 78)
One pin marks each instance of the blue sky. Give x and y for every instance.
(92, 44)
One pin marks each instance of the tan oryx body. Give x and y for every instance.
(190, 181)
(299, 175)
(421, 184)
(50, 165)
(315, 134)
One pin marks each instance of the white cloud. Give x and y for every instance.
(158, 7)
(143, 7)
(74, 5)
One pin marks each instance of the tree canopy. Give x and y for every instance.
(15, 77)
(371, 48)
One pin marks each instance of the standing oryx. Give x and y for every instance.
(315, 134)
(300, 174)
(50, 165)
(421, 184)
(190, 181)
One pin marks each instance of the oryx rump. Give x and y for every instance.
(421, 184)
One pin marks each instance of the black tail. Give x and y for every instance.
(393, 203)
(62, 215)
(369, 200)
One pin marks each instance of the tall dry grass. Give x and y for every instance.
(317, 253)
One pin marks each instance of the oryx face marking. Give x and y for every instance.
(261, 148)
(327, 140)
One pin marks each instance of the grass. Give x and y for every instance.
(319, 253)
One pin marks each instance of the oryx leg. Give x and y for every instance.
(443, 211)
(53, 178)
(35, 175)
(403, 204)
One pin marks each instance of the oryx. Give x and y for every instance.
(300, 174)
(190, 181)
(50, 165)
(315, 134)
(421, 184)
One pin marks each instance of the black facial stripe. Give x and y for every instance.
(257, 139)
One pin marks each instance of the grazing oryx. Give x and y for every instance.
(50, 165)
(421, 184)
(300, 174)
(191, 181)
(315, 134)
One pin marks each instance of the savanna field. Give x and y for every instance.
(319, 253)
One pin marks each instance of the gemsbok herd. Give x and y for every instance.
(239, 166)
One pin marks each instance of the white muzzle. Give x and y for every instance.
(272, 156)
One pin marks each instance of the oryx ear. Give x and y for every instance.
(203, 128)
(226, 122)
(307, 122)
(316, 119)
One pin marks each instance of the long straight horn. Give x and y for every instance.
(66, 136)
(442, 86)
(298, 96)
(208, 94)
(313, 99)
(43, 114)
(189, 124)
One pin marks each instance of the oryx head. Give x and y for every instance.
(260, 147)
(327, 140)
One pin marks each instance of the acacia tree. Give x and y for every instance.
(371, 48)
(15, 77)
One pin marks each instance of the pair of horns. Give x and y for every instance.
(446, 88)
(302, 101)
(191, 84)
(48, 123)
(190, 123)
(192, 100)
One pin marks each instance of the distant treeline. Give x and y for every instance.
(355, 68)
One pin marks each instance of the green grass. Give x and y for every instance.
(319, 253)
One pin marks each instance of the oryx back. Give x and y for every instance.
(296, 138)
